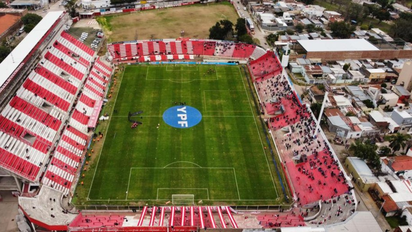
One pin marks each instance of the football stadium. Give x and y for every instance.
(157, 135)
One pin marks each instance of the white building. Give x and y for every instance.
(93, 4)
(313, 11)
(403, 118)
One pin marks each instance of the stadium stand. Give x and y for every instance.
(186, 49)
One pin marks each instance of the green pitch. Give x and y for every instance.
(222, 159)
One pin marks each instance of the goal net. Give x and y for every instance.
(183, 199)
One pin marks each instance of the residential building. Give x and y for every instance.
(403, 118)
(401, 166)
(332, 16)
(360, 172)
(10, 21)
(375, 75)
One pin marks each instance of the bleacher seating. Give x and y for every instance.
(265, 65)
(33, 119)
(61, 63)
(77, 43)
(144, 51)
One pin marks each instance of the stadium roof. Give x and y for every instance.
(360, 221)
(337, 45)
(16, 57)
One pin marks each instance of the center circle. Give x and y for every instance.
(182, 116)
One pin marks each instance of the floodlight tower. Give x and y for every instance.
(285, 60)
(320, 114)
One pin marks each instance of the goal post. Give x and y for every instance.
(183, 199)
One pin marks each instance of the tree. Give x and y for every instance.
(290, 31)
(342, 29)
(308, 2)
(366, 150)
(3, 5)
(246, 38)
(368, 103)
(31, 19)
(346, 66)
(221, 30)
(398, 141)
(272, 38)
(310, 28)
(354, 12)
(384, 151)
(381, 15)
(71, 7)
(384, 85)
(28, 28)
(400, 27)
(4, 52)
(350, 114)
(316, 107)
(299, 27)
(241, 27)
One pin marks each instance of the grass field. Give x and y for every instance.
(220, 160)
(195, 20)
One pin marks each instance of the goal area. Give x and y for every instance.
(183, 199)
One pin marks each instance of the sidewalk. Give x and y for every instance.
(367, 204)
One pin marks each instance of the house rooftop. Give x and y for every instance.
(400, 163)
(377, 116)
(337, 45)
(6, 21)
(330, 112)
(390, 205)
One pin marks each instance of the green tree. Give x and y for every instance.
(28, 28)
(342, 29)
(365, 150)
(71, 7)
(308, 2)
(385, 151)
(354, 12)
(346, 66)
(316, 107)
(31, 19)
(246, 38)
(290, 32)
(310, 28)
(4, 52)
(382, 14)
(221, 30)
(272, 38)
(3, 5)
(241, 27)
(398, 141)
(401, 27)
(299, 27)
(368, 103)
(350, 114)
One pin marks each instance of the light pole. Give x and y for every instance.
(380, 209)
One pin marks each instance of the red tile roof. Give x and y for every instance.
(6, 21)
(400, 163)
(389, 205)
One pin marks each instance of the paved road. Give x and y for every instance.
(259, 33)
(8, 212)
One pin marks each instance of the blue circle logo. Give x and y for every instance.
(182, 116)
